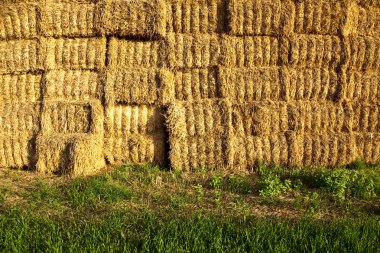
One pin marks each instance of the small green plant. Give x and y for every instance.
(216, 182)
(2, 196)
(272, 186)
(217, 197)
(199, 191)
(363, 185)
(312, 201)
(335, 182)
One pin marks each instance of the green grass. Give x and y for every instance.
(142, 208)
(20, 232)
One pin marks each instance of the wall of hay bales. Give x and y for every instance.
(192, 83)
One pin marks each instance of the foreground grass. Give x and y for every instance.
(144, 208)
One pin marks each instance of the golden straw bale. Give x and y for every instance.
(199, 133)
(192, 51)
(125, 120)
(369, 3)
(195, 16)
(195, 84)
(272, 149)
(71, 85)
(16, 150)
(75, 154)
(132, 85)
(310, 84)
(68, 19)
(134, 18)
(368, 21)
(62, 117)
(321, 16)
(249, 51)
(251, 84)
(361, 86)
(134, 134)
(20, 56)
(361, 53)
(261, 17)
(19, 117)
(128, 54)
(20, 88)
(19, 21)
(311, 51)
(368, 147)
(136, 148)
(79, 53)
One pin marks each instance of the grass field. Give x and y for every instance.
(145, 208)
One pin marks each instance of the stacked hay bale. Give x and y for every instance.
(201, 83)
(70, 140)
(21, 60)
(134, 113)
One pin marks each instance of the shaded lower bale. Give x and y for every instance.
(74, 154)
(363, 86)
(17, 150)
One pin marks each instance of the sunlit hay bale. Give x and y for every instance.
(199, 134)
(67, 19)
(21, 56)
(17, 150)
(368, 147)
(361, 53)
(71, 85)
(272, 149)
(310, 84)
(322, 17)
(361, 86)
(19, 118)
(195, 16)
(261, 17)
(79, 53)
(369, 3)
(61, 117)
(75, 154)
(249, 51)
(124, 54)
(192, 51)
(134, 134)
(18, 21)
(20, 88)
(250, 84)
(368, 21)
(133, 18)
(364, 118)
(138, 86)
(194, 84)
(311, 51)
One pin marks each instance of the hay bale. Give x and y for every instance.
(132, 18)
(368, 21)
(369, 3)
(124, 54)
(310, 84)
(361, 86)
(249, 51)
(361, 53)
(62, 117)
(195, 16)
(68, 19)
(71, 85)
(311, 51)
(75, 154)
(19, 21)
(192, 51)
(199, 134)
(136, 148)
(321, 16)
(20, 88)
(20, 56)
(16, 150)
(134, 134)
(132, 86)
(19, 117)
(368, 147)
(195, 84)
(261, 17)
(248, 85)
(79, 53)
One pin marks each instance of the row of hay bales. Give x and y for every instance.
(196, 83)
